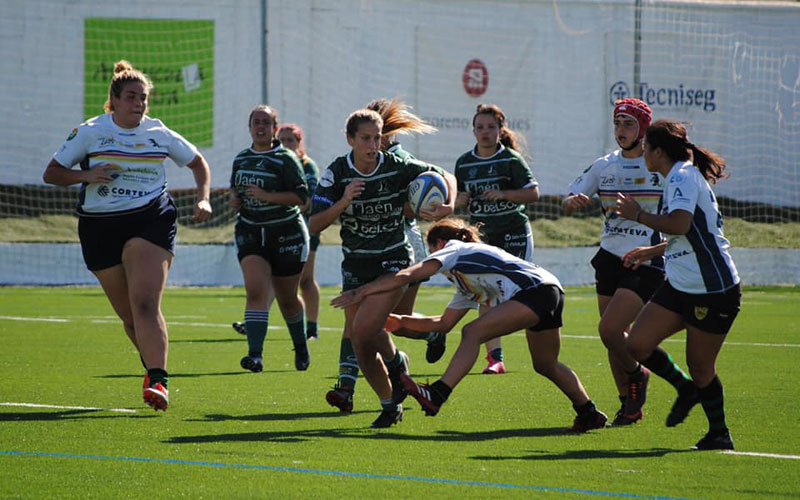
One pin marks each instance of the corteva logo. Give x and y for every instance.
(679, 96)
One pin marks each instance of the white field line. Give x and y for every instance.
(283, 327)
(59, 407)
(764, 455)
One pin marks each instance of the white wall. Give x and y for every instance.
(551, 66)
(41, 76)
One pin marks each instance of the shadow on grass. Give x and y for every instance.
(273, 417)
(295, 436)
(173, 376)
(44, 416)
(586, 454)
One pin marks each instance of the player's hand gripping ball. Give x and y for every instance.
(427, 190)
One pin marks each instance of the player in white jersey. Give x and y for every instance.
(702, 292)
(518, 295)
(622, 291)
(127, 222)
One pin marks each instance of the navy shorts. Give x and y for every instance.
(103, 236)
(547, 301)
(284, 246)
(710, 312)
(610, 274)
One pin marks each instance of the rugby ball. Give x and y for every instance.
(425, 190)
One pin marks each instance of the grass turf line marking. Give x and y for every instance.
(764, 455)
(58, 407)
(341, 473)
(49, 320)
(322, 328)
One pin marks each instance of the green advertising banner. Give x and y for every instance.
(177, 55)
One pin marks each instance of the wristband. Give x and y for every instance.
(638, 214)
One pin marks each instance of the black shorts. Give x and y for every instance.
(547, 301)
(611, 275)
(710, 312)
(284, 246)
(103, 237)
(357, 272)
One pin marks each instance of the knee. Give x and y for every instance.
(608, 334)
(143, 305)
(470, 334)
(307, 282)
(637, 349)
(545, 367)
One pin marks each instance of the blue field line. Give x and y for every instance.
(346, 474)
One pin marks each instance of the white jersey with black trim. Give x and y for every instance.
(612, 174)
(138, 154)
(486, 275)
(699, 261)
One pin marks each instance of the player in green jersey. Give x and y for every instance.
(495, 184)
(367, 191)
(267, 187)
(291, 136)
(398, 120)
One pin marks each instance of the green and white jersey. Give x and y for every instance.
(311, 170)
(506, 169)
(276, 170)
(372, 226)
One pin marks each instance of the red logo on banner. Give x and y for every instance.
(475, 78)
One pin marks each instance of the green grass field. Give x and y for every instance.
(235, 434)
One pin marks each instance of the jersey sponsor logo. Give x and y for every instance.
(472, 173)
(72, 134)
(608, 181)
(625, 231)
(321, 199)
(491, 207)
(102, 191)
(327, 178)
(675, 255)
(678, 177)
(133, 193)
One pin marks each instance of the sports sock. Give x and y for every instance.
(390, 405)
(297, 329)
(157, 375)
(311, 329)
(662, 365)
(496, 354)
(585, 409)
(348, 365)
(395, 364)
(440, 392)
(433, 336)
(255, 323)
(712, 397)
